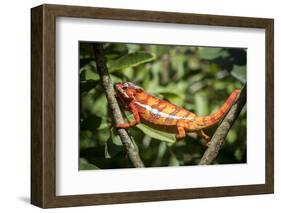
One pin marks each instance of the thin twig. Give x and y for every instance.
(113, 105)
(220, 134)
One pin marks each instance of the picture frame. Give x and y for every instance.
(44, 114)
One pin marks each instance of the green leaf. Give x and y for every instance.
(207, 53)
(115, 137)
(98, 105)
(90, 75)
(133, 47)
(178, 64)
(115, 49)
(85, 165)
(130, 60)
(134, 143)
(162, 148)
(157, 134)
(89, 72)
(201, 103)
(238, 154)
(173, 161)
(86, 139)
(105, 124)
(173, 97)
(193, 62)
(239, 72)
(170, 94)
(113, 145)
(231, 136)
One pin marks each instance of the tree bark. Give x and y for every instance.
(220, 134)
(113, 105)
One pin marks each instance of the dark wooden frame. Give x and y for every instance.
(43, 106)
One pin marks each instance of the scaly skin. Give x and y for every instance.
(165, 116)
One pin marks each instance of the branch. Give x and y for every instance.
(113, 104)
(220, 134)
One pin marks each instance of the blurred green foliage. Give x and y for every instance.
(196, 78)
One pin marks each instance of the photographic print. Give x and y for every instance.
(168, 105)
(150, 105)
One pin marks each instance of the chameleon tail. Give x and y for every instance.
(206, 121)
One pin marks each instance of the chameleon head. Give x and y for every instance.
(127, 90)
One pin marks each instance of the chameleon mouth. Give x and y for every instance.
(119, 89)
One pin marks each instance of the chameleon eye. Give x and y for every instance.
(125, 85)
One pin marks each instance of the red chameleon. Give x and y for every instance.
(165, 116)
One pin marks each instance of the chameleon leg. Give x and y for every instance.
(181, 132)
(133, 122)
(203, 135)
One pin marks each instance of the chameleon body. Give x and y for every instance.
(165, 116)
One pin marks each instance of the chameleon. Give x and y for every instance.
(165, 116)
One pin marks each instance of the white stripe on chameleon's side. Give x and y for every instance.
(162, 114)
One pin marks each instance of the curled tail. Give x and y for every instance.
(207, 121)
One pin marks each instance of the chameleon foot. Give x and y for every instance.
(204, 136)
(181, 133)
